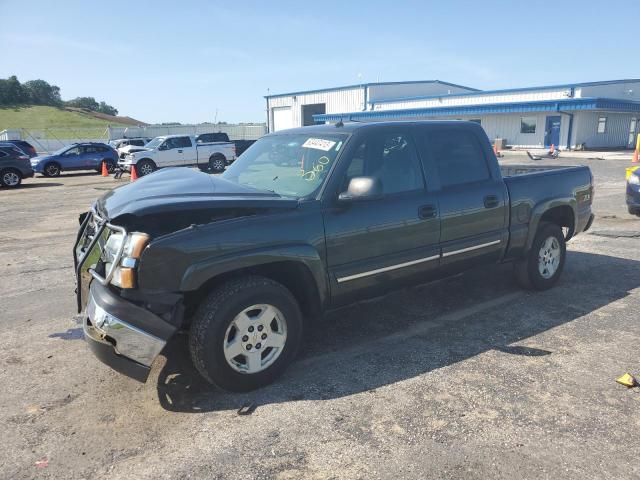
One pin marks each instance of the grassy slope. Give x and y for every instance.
(51, 122)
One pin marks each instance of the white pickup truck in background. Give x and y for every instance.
(179, 151)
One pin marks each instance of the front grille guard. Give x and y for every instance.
(100, 226)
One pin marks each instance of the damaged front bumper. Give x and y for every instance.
(124, 347)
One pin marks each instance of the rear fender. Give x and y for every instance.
(541, 208)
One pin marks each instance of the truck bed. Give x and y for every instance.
(544, 187)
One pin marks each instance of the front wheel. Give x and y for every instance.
(542, 267)
(245, 333)
(10, 178)
(145, 167)
(51, 170)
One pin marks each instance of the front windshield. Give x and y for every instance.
(62, 150)
(154, 143)
(293, 165)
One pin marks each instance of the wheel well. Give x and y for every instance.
(562, 216)
(145, 160)
(53, 162)
(217, 155)
(293, 275)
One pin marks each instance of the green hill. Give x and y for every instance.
(53, 122)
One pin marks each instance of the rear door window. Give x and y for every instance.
(458, 157)
(183, 142)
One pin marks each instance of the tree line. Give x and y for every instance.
(39, 92)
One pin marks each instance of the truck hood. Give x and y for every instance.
(174, 198)
(131, 149)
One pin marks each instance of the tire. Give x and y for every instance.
(543, 265)
(52, 169)
(10, 178)
(217, 163)
(634, 211)
(145, 167)
(220, 321)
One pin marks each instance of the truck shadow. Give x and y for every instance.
(411, 332)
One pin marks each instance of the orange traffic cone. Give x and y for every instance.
(552, 150)
(105, 171)
(495, 150)
(134, 173)
(635, 157)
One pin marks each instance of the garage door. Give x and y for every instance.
(282, 118)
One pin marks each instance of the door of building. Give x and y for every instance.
(552, 131)
(632, 133)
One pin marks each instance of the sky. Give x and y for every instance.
(196, 61)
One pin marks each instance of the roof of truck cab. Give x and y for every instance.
(350, 127)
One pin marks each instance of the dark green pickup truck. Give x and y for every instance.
(304, 221)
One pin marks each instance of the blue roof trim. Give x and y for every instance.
(517, 107)
(363, 85)
(506, 90)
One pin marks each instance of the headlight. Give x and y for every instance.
(124, 275)
(634, 179)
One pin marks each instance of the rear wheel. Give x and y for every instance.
(542, 267)
(10, 177)
(52, 169)
(145, 167)
(634, 211)
(245, 333)
(217, 163)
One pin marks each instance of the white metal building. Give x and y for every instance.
(593, 115)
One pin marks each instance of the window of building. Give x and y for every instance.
(528, 124)
(392, 159)
(458, 156)
(602, 124)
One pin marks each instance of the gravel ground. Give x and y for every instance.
(468, 377)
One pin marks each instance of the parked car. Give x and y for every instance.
(78, 156)
(633, 192)
(177, 151)
(26, 147)
(14, 165)
(245, 261)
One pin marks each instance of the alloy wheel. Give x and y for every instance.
(255, 338)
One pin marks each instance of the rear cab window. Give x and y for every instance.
(457, 155)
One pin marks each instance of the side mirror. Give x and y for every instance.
(362, 188)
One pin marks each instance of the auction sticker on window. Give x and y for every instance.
(319, 144)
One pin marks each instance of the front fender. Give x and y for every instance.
(197, 274)
(539, 210)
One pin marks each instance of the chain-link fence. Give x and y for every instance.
(47, 140)
(236, 132)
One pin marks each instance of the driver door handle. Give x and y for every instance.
(490, 201)
(427, 211)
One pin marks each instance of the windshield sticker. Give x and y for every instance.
(318, 144)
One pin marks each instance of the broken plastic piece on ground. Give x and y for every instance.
(627, 380)
(42, 463)
(247, 409)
